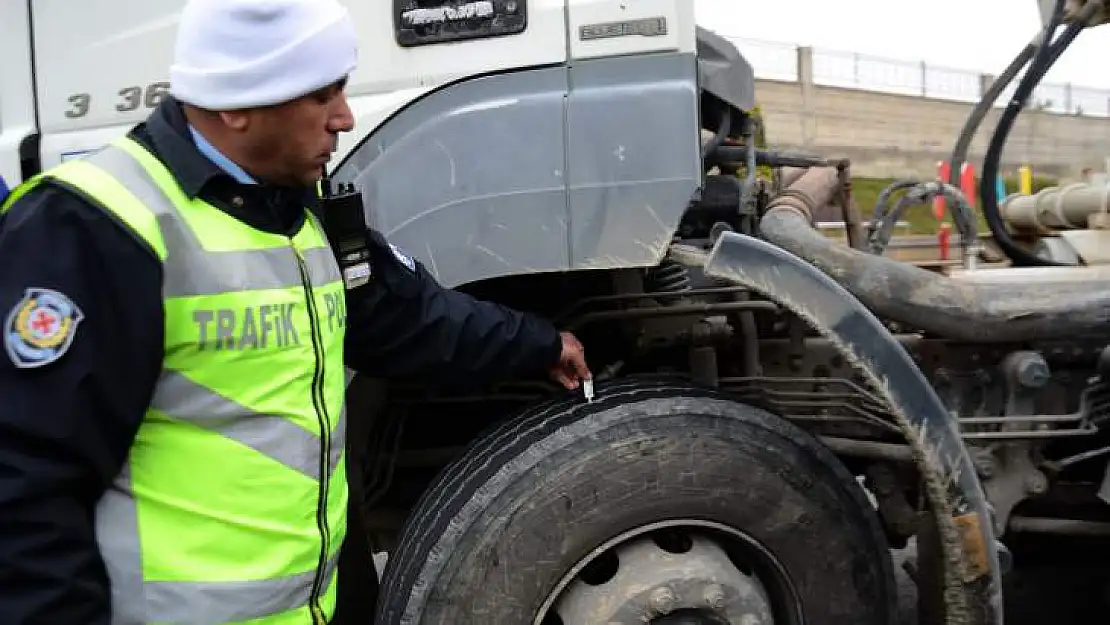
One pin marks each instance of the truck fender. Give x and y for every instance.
(951, 483)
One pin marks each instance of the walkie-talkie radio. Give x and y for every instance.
(345, 227)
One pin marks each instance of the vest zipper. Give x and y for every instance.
(320, 404)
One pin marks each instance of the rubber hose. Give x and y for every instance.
(898, 291)
(723, 130)
(988, 191)
(748, 130)
(1038, 44)
(884, 197)
(961, 206)
(878, 219)
(882, 234)
(975, 120)
(979, 113)
(883, 226)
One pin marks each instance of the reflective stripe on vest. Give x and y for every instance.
(231, 505)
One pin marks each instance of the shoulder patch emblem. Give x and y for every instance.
(40, 328)
(401, 256)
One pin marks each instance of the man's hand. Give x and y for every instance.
(572, 368)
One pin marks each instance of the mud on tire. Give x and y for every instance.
(496, 533)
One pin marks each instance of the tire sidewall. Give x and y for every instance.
(580, 475)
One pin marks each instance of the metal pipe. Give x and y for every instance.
(724, 128)
(646, 312)
(849, 212)
(739, 154)
(1064, 527)
(954, 309)
(1018, 276)
(790, 175)
(891, 452)
(1057, 208)
(646, 295)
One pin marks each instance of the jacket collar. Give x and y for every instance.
(269, 207)
(173, 141)
(169, 132)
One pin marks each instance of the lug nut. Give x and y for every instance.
(1036, 483)
(662, 600)
(715, 597)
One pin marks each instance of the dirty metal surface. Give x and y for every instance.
(951, 484)
(651, 582)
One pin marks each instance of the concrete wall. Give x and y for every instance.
(888, 135)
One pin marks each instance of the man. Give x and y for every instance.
(176, 330)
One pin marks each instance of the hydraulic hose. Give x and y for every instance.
(1046, 58)
(884, 199)
(882, 231)
(968, 311)
(882, 227)
(979, 113)
(1038, 45)
(723, 131)
(748, 130)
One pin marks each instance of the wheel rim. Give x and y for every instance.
(676, 572)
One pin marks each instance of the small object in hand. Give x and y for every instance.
(588, 389)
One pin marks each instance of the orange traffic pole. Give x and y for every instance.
(944, 240)
(939, 206)
(967, 183)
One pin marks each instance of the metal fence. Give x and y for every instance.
(779, 61)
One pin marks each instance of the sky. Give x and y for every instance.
(978, 35)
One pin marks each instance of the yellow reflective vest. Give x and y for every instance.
(231, 506)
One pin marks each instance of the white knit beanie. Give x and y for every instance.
(235, 54)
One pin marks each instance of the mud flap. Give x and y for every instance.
(966, 531)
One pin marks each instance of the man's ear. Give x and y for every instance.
(236, 120)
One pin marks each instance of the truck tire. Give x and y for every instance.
(689, 503)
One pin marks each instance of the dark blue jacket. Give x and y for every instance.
(66, 426)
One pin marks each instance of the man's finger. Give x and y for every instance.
(578, 365)
(560, 376)
(571, 382)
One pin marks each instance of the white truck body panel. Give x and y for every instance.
(95, 64)
(17, 101)
(100, 67)
(493, 137)
(592, 14)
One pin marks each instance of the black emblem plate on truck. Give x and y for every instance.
(423, 22)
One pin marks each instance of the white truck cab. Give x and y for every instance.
(79, 74)
(18, 123)
(567, 91)
(561, 121)
(75, 75)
